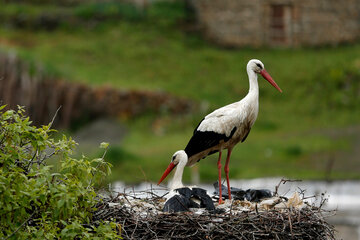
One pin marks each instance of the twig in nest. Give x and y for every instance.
(283, 181)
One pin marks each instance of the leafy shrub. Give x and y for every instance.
(37, 202)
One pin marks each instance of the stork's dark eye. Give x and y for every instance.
(258, 64)
(173, 158)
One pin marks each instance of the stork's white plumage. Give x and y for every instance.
(226, 126)
(179, 159)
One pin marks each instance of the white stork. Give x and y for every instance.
(226, 126)
(181, 198)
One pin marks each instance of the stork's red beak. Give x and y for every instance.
(167, 171)
(267, 76)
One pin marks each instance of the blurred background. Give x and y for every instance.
(141, 74)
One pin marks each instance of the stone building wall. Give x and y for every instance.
(278, 22)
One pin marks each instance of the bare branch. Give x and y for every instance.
(283, 181)
(53, 119)
(25, 222)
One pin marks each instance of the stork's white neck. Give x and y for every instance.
(177, 179)
(253, 80)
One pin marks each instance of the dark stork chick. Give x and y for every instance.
(255, 195)
(181, 198)
(252, 195)
(237, 193)
(229, 125)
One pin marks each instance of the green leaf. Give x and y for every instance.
(62, 200)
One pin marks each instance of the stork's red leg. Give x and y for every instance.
(226, 169)
(219, 171)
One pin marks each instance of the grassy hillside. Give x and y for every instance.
(298, 134)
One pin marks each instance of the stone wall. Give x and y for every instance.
(278, 22)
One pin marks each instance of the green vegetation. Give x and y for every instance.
(88, 15)
(38, 201)
(296, 134)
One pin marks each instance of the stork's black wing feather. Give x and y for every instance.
(198, 126)
(247, 134)
(201, 141)
(177, 203)
(206, 201)
(185, 191)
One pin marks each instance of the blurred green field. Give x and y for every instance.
(293, 136)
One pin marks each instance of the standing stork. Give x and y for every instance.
(226, 126)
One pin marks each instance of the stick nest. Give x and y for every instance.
(142, 218)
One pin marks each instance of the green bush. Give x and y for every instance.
(37, 201)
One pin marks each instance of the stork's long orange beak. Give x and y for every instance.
(167, 171)
(267, 76)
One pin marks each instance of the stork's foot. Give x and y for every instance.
(221, 201)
